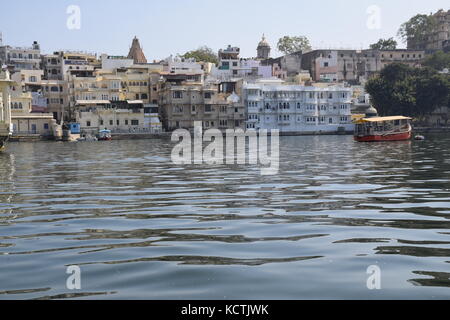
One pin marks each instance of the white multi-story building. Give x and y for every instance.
(115, 62)
(19, 58)
(232, 66)
(178, 64)
(298, 109)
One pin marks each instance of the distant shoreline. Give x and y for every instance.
(146, 136)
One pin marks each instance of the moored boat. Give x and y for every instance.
(104, 135)
(3, 141)
(396, 128)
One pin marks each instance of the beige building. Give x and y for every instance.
(23, 120)
(117, 116)
(355, 66)
(135, 84)
(56, 94)
(5, 107)
(212, 104)
(103, 85)
(438, 38)
(53, 93)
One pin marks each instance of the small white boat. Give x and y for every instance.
(419, 138)
(104, 135)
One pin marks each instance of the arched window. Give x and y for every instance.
(20, 105)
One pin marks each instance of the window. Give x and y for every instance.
(177, 94)
(45, 126)
(110, 122)
(126, 122)
(208, 108)
(88, 123)
(101, 122)
(325, 64)
(177, 109)
(207, 95)
(54, 89)
(134, 122)
(118, 122)
(144, 96)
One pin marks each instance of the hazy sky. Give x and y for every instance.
(167, 27)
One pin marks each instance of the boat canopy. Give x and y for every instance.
(382, 119)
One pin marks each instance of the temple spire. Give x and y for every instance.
(136, 52)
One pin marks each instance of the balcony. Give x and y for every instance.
(311, 113)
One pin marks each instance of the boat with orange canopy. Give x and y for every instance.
(396, 128)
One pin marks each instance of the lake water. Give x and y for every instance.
(140, 227)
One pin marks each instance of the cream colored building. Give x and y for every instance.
(5, 107)
(53, 92)
(79, 63)
(56, 94)
(117, 116)
(104, 85)
(24, 122)
(135, 83)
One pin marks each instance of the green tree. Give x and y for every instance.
(289, 45)
(417, 28)
(202, 54)
(403, 90)
(438, 61)
(385, 44)
(432, 91)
